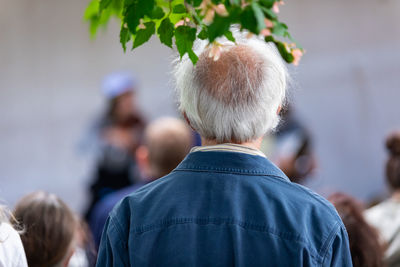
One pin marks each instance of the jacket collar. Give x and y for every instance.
(229, 147)
(229, 162)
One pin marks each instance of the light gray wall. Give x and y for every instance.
(346, 90)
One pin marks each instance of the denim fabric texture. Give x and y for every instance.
(224, 209)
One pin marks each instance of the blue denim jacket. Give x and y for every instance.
(224, 209)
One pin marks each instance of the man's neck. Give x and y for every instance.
(255, 144)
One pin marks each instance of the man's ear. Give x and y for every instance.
(142, 158)
(279, 109)
(188, 121)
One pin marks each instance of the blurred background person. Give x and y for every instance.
(166, 142)
(50, 231)
(290, 147)
(12, 252)
(386, 215)
(118, 134)
(366, 251)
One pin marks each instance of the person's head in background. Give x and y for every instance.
(119, 89)
(237, 98)
(366, 250)
(393, 162)
(165, 144)
(49, 229)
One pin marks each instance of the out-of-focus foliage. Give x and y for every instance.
(183, 21)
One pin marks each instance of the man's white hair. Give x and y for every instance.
(235, 98)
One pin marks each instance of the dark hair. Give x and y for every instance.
(49, 228)
(393, 163)
(366, 251)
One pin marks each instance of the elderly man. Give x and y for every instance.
(226, 204)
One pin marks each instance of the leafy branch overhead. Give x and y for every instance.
(183, 21)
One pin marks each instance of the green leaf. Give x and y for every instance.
(145, 6)
(229, 36)
(193, 57)
(92, 15)
(267, 3)
(203, 34)
(287, 56)
(197, 18)
(248, 20)
(184, 38)
(194, 3)
(129, 2)
(279, 29)
(179, 9)
(157, 13)
(218, 27)
(236, 2)
(287, 35)
(166, 32)
(162, 3)
(137, 11)
(259, 15)
(117, 7)
(143, 35)
(132, 18)
(269, 38)
(92, 10)
(124, 37)
(104, 4)
(269, 14)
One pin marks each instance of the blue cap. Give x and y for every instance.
(118, 83)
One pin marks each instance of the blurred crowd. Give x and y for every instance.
(43, 231)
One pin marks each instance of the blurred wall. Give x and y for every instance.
(347, 88)
(345, 91)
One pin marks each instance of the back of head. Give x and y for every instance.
(49, 228)
(168, 140)
(366, 251)
(235, 98)
(393, 163)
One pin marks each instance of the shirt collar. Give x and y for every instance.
(229, 147)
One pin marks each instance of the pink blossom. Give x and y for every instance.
(275, 7)
(265, 32)
(268, 23)
(297, 54)
(209, 16)
(141, 25)
(204, 5)
(182, 22)
(215, 52)
(221, 10)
